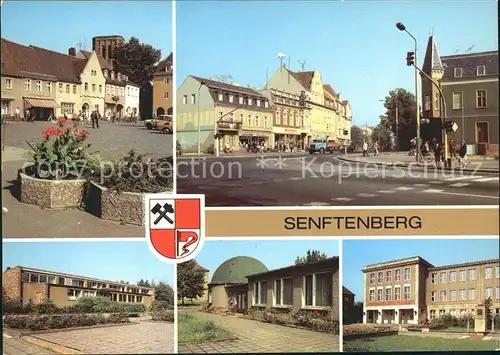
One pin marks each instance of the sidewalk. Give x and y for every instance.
(402, 159)
(238, 155)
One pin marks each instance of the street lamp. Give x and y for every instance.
(402, 27)
(198, 116)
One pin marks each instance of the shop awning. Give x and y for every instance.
(43, 103)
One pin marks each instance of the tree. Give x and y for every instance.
(164, 293)
(407, 121)
(146, 284)
(312, 256)
(190, 280)
(383, 136)
(140, 283)
(356, 137)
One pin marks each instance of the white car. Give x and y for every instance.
(149, 123)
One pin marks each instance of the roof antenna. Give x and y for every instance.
(281, 57)
(81, 45)
(470, 49)
(302, 64)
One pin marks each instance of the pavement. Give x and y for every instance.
(328, 180)
(259, 337)
(138, 338)
(111, 140)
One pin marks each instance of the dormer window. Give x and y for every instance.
(221, 97)
(457, 72)
(105, 73)
(113, 75)
(119, 76)
(481, 70)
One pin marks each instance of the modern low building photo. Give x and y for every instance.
(445, 289)
(266, 287)
(76, 288)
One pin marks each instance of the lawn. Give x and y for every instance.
(195, 330)
(417, 343)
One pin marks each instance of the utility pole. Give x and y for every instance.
(397, 123)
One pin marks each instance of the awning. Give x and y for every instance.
(7, 98)
(43, 103)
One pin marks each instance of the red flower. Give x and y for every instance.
(30, 316)
(52, 131)
(61, 121)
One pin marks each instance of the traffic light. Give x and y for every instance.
(450, 126)
(410, 58)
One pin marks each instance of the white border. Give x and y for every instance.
(341, 297)
(174, 100)
(352, 208)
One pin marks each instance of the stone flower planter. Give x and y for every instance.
(51, 193)
(123, 207)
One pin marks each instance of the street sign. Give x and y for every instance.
(454, 127)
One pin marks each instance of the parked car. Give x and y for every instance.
(149, 123)
(164, 125)
(323, 146)
(178, 148)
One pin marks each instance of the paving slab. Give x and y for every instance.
(16, 346)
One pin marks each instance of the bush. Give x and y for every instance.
(10, 306)
(105, 305)
(277, 318)
(163, 315)
(46, 307)
(161, 305)
(135, 173)
(443, 322)
(61, 321)
(319, 324)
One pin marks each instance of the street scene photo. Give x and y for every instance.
(397, 108)
(87, 118)
(259, 297)
(421, 295)
(102, 304)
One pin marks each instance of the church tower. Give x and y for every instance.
(434, 68)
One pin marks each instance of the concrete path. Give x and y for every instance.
(258, 337)
(15, 346)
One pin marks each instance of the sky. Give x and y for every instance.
(354, 44)
(356, 254)
(274, 254)
(112, 261)
(71, 22)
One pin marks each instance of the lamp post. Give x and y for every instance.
(402, 27)
(198, 117)
(463, 120)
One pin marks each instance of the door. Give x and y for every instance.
(38, 298)
(482, 137)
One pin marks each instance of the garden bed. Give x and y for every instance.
(163, 316)
(356, 331)
(192, 329)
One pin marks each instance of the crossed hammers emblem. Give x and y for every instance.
(162, 211)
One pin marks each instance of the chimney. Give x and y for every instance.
(72, 51)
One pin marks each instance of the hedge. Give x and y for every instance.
(61, 321)
(163, 316)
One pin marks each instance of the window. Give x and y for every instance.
(397, 293)
(442, 277)
(100, 89)
(292, 118)
(184, 99)
(249, 101)
(472, 274)
(457, 72)
(51, 280)
(86, 87)
(49, 86)
(67, 88)
(406, 293)
(406, 275)
(231, 98)
(388, 294)
(108, 89)
(436, 102)
(221, 97)
(442, 312)
(462, 294)
(166, 80)
(257, 103)
(33, 278)
(372, 278)
(39, 86)
(318, 290)
(442, 296)
(67, 108)
(266, 124)
(193, 98)
(497, 293)
(260, 293)
(93, 87)
(488, 273)
(462, 275)
(488, 292)
(42, 279)
(433, 278)
(458, 100)
(453, 295)
(240, 100)
(372, 295)
(283, 292)
(397, 275)
(453, 276)
(432, 314)
(73, 294)
(231, 117)
(380, 294)
(427, 102)
(380, 277)
(266, 104)
(278, 117)
(249, 120)
(480, 98)
(433, 296)
(285, 118)
(27, 85)
(472, 294)
(165, 94)
(481, 70)
(8, 83)
(388, 276)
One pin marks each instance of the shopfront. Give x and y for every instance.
(287, 138)
(248, 138)
(41, 109)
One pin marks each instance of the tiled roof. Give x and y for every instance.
(102, 62)
(164, 67)
(330, 90)
(432, 61)
(303, 77)
(469, 64)
(39, 63)
(345, 102)
(217, 85)
(346, 291)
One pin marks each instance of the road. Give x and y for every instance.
(328, 181)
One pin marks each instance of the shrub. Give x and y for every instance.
(105, 305)
(46, 307)
(60, 321)
(463, 320)
(163, 315)
(135, 173)
(318, 323)
(10, 306)
(61, 154)
(161, 305)
(277, 318)
(117, 318)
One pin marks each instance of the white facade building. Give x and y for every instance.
(132, 93)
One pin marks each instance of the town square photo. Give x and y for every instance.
(260, 296)
(399, 107)
(421, 295)
(87, 116)
(109, 298)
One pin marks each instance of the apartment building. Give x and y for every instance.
(470, 87)
(163, 86)
(412, 290)
(29, 284)
(236, 115)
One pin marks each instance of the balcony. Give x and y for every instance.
(229, 125)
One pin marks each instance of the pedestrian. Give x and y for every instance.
(95, 119)
(113, 118)
(437, 153)
(365, 149)
(453, 149)
(463, 155)
(17, 116)
(375, 148)
(27, 115)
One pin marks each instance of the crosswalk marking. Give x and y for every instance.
(487, 179)
(366, 195)
(317, 204)
(386, 191)
(459, 184)
(420, 185)
(346, 199)
(460, 178)
(295, 178)
(433, 191)
(435, 182)
(403, 188)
